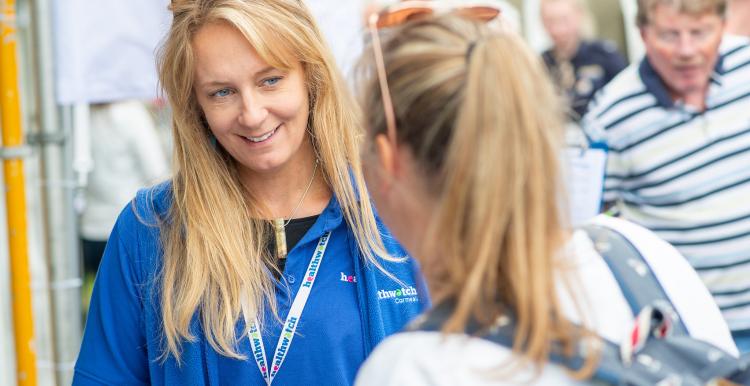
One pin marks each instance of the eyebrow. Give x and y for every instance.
(266, 70)
(216, 83)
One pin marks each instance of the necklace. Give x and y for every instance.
(299, 204)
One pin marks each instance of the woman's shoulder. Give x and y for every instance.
(431, 358)
(153, 203)
(422, 358)
(147, 209)
(136, 237)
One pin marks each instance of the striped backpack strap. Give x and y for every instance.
(637, 281)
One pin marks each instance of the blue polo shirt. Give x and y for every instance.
(352, 306)
(329, 344)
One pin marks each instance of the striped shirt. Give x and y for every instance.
(683, 173)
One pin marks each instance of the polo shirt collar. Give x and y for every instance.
(655, 85)
(328, 220)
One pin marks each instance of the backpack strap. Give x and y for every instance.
(610, 369)
(667, 360)
(502, 333)
(637, 281)
(681, 360)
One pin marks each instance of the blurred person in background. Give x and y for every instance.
(462, 160)
(127, 155)
(261, 262)
(578, 64)
(677, 126)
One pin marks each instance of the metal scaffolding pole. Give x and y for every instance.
(59, 217)
(13, 151)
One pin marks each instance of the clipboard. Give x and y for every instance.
(584, 171)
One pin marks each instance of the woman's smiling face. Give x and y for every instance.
(258, 113)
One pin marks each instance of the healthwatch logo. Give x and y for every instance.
(348, 278)
(400, 295)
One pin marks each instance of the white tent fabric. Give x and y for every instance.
(342, 23)
(104, 49)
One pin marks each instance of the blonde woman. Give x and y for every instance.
(260, 262)
(463, 165)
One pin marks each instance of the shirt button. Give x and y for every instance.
(290, 279)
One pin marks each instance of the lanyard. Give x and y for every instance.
(292, 319)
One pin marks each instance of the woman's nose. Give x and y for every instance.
(253, 112)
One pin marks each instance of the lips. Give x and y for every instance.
(261, 138)
(687, 67)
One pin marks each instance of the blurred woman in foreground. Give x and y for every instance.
(464, 131)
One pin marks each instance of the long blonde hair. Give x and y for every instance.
(214, 238)
(477, 110)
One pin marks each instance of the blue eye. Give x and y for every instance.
(221, 93)
(271, 81)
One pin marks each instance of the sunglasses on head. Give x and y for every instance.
(405, 11)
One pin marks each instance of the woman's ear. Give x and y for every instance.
(386, 156)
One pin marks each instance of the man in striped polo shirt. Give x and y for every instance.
(677, 126)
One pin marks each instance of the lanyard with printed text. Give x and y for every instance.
(292, 319)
